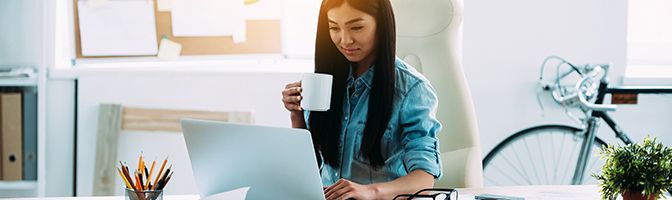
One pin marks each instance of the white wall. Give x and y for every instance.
(20, 32)
(506, 41)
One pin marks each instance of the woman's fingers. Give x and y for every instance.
(291, 96)
(293, 84)
(336, 190)
(342, 193)
(293, 106)
(291, 91)
(292, 99)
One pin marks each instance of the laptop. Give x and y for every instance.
(275, 163)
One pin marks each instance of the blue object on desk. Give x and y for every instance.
(496, 197)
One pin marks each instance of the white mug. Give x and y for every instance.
(316, 91)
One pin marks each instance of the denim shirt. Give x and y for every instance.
(410, 141)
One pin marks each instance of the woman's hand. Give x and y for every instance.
(345, 189)
(291, 97)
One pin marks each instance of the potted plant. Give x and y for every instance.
(636, 171)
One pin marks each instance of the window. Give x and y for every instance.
(650, 32)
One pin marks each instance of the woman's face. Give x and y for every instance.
(354, 33)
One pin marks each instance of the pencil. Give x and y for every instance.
(151, 171)
(142, 182)
(128, 185)
(163, 185)
(140, 161)
(137, 185)
(159, 172)
(142, 166)
(162, 178)
(147, 178)
(124, 169)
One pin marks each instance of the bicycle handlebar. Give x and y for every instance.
(584, 102)
(591, 76)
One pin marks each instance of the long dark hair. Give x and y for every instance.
(325, 127)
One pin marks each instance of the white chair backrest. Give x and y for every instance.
(429, 37)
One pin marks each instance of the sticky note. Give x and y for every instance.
(250, 2)
(169, 50)
(165, 5)
(96, 3)
(204, 18)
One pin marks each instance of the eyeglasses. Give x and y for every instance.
(436, 194)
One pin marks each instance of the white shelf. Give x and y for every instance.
(268, 64)
(18, 185)
(18, 82)
(182, 61)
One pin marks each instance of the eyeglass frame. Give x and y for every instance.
(447, 191)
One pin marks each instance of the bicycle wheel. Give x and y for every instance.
(541, 155)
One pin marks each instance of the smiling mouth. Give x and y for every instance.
(349, 50)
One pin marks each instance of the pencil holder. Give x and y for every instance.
(144, 194)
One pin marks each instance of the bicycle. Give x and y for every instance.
(545, 160)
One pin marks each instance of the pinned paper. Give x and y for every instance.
(202, 18)
(165, 5)
(169, 50)
(237, 194)
(117, 28)
(96, 3)
(240, 35)
(267, 9)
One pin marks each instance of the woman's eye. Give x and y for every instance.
(356, 28)
(333, 28)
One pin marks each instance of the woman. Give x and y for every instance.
(379, 138)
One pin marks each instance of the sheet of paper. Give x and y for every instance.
(240, 35)
(169, 50)
(118, 28)
(264, 10)
(165, 5)
(237, 194)
(201, 18)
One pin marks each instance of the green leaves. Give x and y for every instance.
(645, 167)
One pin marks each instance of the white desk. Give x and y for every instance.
(560, 192)
(574, 192)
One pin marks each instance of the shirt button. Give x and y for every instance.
(346, 118)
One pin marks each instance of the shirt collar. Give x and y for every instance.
(367, 77)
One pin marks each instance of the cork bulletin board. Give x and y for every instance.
(263, 36)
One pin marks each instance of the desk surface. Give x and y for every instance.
(550, 192)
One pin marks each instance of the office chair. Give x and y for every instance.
(429, 37)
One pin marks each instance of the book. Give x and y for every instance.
(30, 133)
(11, 131)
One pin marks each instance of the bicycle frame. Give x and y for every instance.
(591, 131)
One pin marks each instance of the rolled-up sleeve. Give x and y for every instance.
(419, 130)
(306, 116)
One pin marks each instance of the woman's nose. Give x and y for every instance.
(346, 38)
